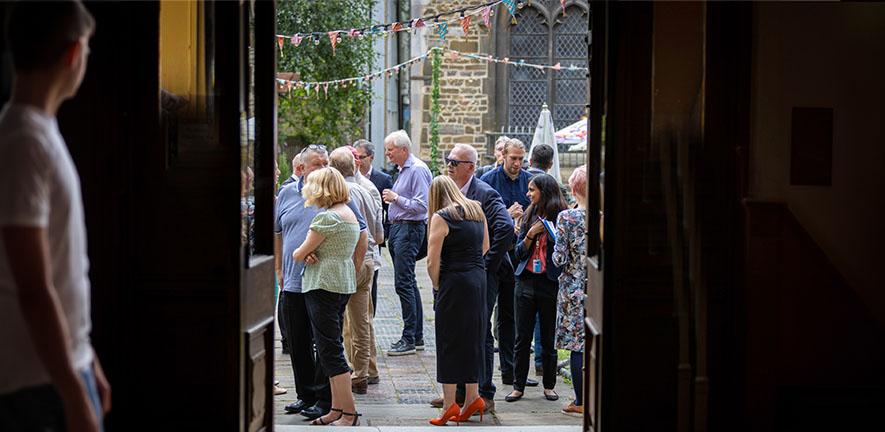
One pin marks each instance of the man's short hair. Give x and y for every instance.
(366, 145)
(38, 33)
(502, 140)
(471, 151)
(513, 143)
(296, 161)
(400, 139)
(313, 149)
(542, 156)
(342, 160)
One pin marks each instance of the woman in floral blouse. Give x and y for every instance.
(568, 253)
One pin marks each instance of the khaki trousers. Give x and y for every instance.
(358, 332)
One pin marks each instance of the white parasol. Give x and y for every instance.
(544, 134)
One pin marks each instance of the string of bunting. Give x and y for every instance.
(317, 86)
(439, 21)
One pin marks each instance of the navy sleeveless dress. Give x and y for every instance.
(461, 303)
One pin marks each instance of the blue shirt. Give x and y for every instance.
(511, 190)
(292, 220)
(412, 187)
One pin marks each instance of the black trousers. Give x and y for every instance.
(506, 321)
(535, 294)
(311, 385)
(326, 311)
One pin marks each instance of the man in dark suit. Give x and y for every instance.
(365, 152)
(461, 165)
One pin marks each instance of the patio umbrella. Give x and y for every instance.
(574, 135)
(544, 134)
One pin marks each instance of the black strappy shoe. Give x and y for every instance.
(319, 420)
(356, 417)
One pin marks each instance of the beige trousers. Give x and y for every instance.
(358, 331)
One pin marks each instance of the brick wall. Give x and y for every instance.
(465, 90)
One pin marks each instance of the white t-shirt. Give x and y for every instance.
(39, 187)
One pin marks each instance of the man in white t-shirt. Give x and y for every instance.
(50, 378)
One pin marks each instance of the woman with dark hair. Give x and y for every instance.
(537, 282)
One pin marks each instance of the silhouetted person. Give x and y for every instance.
(50, 377)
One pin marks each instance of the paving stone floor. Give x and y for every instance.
(408, 383)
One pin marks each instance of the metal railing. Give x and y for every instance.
(525, 134)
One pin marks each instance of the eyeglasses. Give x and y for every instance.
(455, 162)
(363, 156)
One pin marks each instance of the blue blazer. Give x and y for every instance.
(522, 255)
(500, 224)
(382, 181)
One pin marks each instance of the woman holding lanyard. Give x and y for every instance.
(537, 282)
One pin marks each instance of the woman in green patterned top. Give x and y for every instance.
(328, 283)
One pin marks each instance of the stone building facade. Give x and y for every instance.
(480, 99)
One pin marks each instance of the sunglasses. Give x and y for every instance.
(318, 147)
(455, 162)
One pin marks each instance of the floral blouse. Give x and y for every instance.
(568, 253)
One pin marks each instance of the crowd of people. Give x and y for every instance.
(504, 248)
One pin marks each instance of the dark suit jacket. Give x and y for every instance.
(500, 224)
(523, 256)
(382, 181)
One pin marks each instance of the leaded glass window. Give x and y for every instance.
(542, 35)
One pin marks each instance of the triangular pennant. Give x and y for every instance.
(352, 33)
(280, 41)
(453, 55)
(443, 30)
(511, 7)
(396, 27)
(465, 24)
(419, 23)
(557, 67)
(562, 2)
(487, 16)
(296, 40)
(333, 38)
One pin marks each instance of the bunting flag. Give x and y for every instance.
(511, 7)
(443, 30)
(487, 17)
(441, 20)
(362, 80)
(333, 38)
(562, 2)
(465, 24)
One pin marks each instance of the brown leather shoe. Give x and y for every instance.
(438, 402)
(359, 387)
(489, 405)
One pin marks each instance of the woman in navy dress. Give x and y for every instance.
(458, 239)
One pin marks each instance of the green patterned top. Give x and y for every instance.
(334, 270)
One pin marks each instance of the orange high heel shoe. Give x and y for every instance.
(476, 405)
(450, 414)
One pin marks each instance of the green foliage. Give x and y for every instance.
(434, 115)
(336, 119)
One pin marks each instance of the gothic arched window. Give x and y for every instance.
(542, 35)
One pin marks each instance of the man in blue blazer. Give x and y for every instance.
(461, 165)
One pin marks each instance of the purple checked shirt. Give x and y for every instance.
(412, 186)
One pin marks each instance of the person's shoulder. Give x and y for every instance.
(489, 177)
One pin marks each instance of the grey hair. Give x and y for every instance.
(313, 149)
(502, 139)
(513, 143)
(471, 151)
(400, 139)
(365, 145)
(296, 160)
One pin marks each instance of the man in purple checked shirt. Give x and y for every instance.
(408, 226)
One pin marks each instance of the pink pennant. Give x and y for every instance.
(326, 89)
(296, 40)
(454, 55)
(419, 23)
(352, 33)
(487, 16)
(562, 2)
(465, 24)
(333, 38)
(557, 67)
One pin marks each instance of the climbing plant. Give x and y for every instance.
(434, 114)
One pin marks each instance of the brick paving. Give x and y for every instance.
(408, 383)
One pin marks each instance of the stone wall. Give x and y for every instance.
(465, 88)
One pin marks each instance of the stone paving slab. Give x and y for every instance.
(408, 383)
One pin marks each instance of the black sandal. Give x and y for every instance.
(319, 420)
(551, 397)
(511, 398)
(356, 417)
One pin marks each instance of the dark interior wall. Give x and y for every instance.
(825, 55)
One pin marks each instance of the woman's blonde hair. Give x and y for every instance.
(445, 195)
(324, 188)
